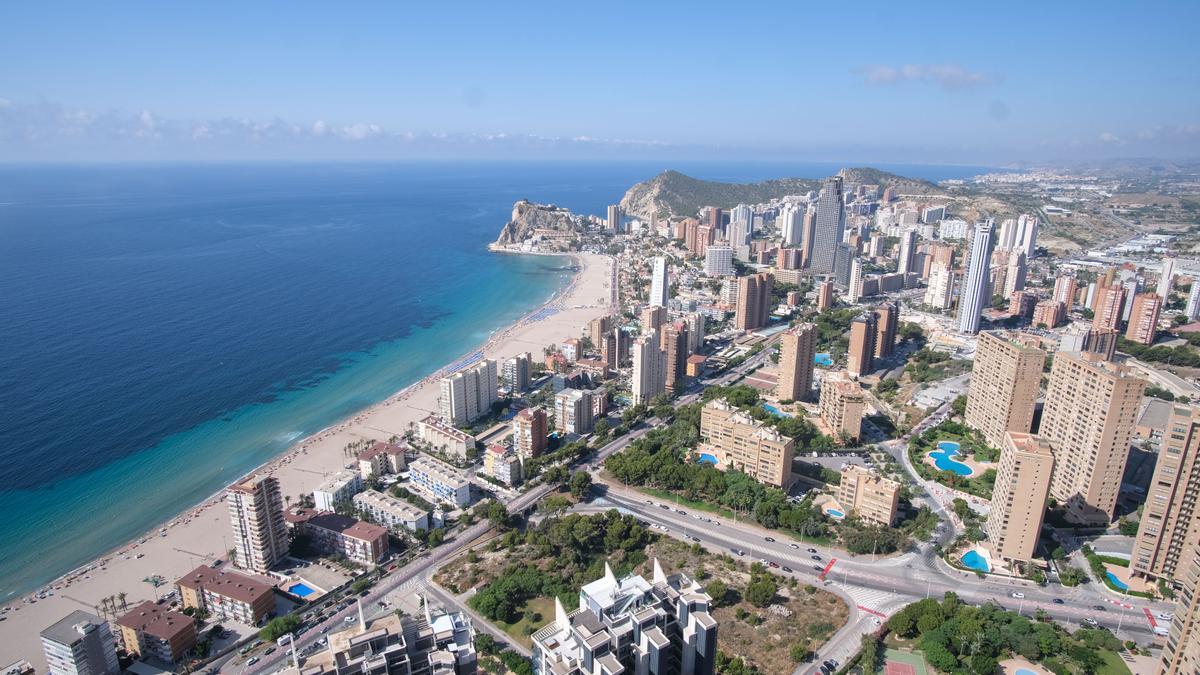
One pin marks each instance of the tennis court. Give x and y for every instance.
(903, 663)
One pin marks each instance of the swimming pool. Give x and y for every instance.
(706, 458)
(943, 459)
(774, 411)
(300, 589)
(973, 560)
(1112, 578)
(1024, 671)
(823, 359)
(835, 513)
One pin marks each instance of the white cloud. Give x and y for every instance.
(43, 130)
(949, 76)
(1111, 138)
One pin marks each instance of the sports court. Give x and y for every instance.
(903, 663)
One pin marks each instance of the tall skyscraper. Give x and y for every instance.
(908, 246)
(841, 406)
(1143, 319)
(754, 301)
(1027, 233)
(80, 644)
(1020, 496)
(573, 411)
(1193, 303)
(1005, 381)
(649, 369)
(1007, 238)
(1014, 279)
(974, 295)
(1181, 653)
(260, 538)
(940, 292)
(1169, 526)
(797, 354)
(1064, 290)
(1166, 274)
(860, 356)
(842, 255)
(1090, 412)
(1109, 304)
(674, 343)
(652, 318)
(808, 228)
(718, 260)
(824, 296)
(614, 218)
(530, 432)
(660, 283)
(887, 321)
(597, 327)
(517, 370)
(791, 221)
(829, 227)
(1132, 288)
(854, 290)
(468, 394)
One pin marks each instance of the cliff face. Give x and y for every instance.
(546, 221)
(672, 194)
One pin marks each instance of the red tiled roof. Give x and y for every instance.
(225, 582)
(157, 620)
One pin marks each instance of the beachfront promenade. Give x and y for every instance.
(203, 533)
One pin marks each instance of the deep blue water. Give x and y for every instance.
(166, 328)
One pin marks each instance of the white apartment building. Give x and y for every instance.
(440, 481)
(80, 644)
(339, 488)
(468, 394)
(391, 512)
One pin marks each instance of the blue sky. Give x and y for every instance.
(956, 82)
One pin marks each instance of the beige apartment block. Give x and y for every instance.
(1169, 526)
(260, 538)
(737, 440)
(842, 406)
(1181, 653)
(1004, 386)
(1020, 496)
(1090, 412)
(798, 348)
(869, 495)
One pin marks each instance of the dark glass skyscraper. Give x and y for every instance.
(830, 226)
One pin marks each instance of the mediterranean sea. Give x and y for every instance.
(166, 328)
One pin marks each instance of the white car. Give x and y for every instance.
(1018, 595)
(350, 619)
(1165, 616)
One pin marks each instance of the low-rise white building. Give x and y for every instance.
(340, 488)
(391, 511)
(440, 481)
(445, 438)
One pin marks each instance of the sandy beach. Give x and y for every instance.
(202, 533)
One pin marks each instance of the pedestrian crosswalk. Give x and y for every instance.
(874, 601)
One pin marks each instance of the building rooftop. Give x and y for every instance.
(226, 583)
(380, 448)
(157, 620)
(434, 422)
(72, 628)
(350, 527)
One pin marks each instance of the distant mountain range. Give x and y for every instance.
(673, 194)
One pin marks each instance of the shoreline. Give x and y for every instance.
(315, 447)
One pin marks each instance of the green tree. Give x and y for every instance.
(278, 627)
(581, 482)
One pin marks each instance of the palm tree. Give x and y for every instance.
(155, 581)
(121, 597)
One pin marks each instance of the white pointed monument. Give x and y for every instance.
(560, 615)
(658, 577)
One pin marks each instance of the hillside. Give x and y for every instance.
(673, 194)
(553, 226)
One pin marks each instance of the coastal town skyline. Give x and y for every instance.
(545, 339)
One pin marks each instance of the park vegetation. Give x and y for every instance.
(960, 638)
